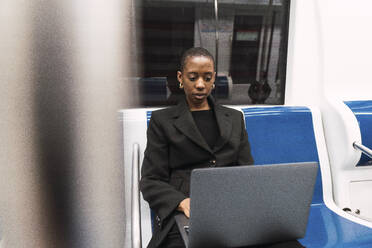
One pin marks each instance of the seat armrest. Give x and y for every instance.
(136, 211)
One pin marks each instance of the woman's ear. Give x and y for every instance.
(179, 78)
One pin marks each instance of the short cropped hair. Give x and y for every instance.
(194, 52)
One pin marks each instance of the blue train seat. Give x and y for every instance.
(294, 134)
(285, 134)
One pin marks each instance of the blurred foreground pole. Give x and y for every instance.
(62, 71)
(20, 189)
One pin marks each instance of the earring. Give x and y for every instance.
(213, 86)
(181, 85)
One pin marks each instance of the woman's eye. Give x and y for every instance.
(192, 79)
(208, 79)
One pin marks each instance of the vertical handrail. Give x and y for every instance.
(264, 38)
(217, 38)
(136, 211)
(365, 150)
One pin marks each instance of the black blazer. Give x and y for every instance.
(175, 147)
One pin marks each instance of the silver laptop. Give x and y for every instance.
(248, 205)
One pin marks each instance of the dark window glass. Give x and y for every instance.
(250, 55)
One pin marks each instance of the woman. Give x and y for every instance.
(197, 133)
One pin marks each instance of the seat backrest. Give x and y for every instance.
(283, 135)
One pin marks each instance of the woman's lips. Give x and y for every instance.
(199, 95)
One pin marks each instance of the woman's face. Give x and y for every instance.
(197, 80)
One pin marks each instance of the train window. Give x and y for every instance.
(248, 39)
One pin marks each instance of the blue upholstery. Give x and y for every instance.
(363, 113)
(222, 88)
(283, 135)
(154, 89)
(286, 135)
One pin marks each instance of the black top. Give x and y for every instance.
(206, 122)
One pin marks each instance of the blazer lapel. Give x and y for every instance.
(185, 124)
(224, 124)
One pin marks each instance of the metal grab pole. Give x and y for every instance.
(217, 38)
(136, 212)
(365, 150)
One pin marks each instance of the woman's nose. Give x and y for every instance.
(200, 84)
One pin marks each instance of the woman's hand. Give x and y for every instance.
(184, 207)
